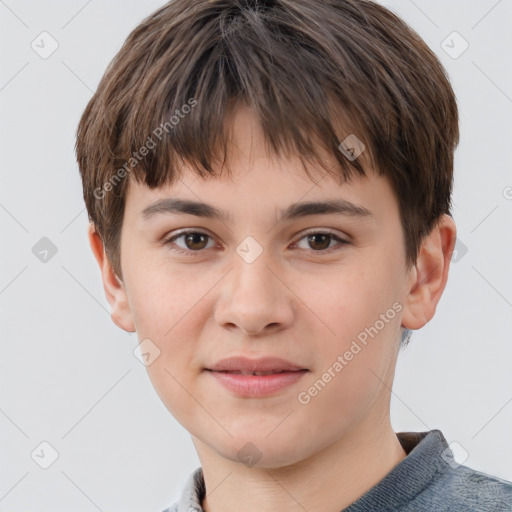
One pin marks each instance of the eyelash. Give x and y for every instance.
(189, 252)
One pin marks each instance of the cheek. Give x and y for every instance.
(161, 297)
(362, 313)
(174, 390)
(165, 308)
(351, 299)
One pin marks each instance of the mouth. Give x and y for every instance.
(256, 378)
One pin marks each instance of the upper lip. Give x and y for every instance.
(265, 364)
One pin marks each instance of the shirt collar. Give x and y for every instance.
(428, 457)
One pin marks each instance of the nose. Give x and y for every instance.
(255, 298)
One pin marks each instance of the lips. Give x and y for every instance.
(256, 378)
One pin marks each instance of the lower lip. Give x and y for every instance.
(257, 385)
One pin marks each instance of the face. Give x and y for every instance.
(323, 291)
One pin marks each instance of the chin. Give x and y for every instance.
(262, 453)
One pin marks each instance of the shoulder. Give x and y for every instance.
(463, 488)
(476, 486)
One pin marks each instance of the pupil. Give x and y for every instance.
(324, 236)
(193, 239)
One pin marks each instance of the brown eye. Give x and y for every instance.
(320, 240)
(196, 241)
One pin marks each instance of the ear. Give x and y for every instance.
(114, 287)
(428, 277)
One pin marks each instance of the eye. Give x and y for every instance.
(194, 241)
(320, 241)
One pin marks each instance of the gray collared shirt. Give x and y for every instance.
(428, 479)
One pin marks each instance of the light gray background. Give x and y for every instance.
(68, 374)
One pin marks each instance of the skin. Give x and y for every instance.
(299, 300)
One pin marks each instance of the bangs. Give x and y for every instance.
(181, 113)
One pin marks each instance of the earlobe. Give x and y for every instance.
(114, 288)
(429, 275)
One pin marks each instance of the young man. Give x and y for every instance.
(269, 188)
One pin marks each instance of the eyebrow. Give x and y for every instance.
(294, 211)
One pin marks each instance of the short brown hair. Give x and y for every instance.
(291, 61)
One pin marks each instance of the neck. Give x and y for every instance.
(330, 480)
